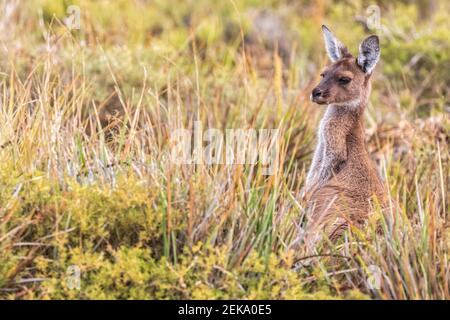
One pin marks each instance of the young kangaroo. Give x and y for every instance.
(342, 179)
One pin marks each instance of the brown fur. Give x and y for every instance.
(342, 179)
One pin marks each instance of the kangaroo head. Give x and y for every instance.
(346, 80)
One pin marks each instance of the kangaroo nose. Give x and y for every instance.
(316, 93)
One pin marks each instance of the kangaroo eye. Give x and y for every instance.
(322, 75)
(344, 80)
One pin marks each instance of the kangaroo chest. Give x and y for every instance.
(334, 127)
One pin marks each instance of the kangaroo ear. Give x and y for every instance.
(335, 48)
(369, 54)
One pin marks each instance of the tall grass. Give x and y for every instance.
(86, 177)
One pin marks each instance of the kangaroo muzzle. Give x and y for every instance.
(318, 95)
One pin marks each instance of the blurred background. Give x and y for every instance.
(166, 37)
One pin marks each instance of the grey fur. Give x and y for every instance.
(369, 54)
(335, 48)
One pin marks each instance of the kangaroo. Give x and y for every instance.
(342, 179)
